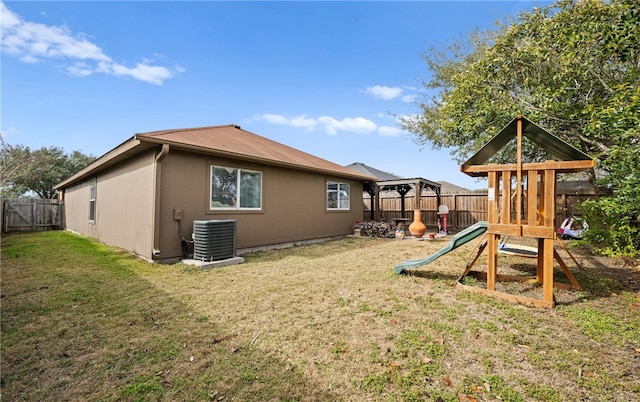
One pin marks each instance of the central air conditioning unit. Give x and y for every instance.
(214, 240)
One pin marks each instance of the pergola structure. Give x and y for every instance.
(521, 202)
(402, 186)
(390, 182)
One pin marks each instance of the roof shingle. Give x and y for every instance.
(231, 140)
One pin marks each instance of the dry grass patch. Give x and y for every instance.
(327, 321)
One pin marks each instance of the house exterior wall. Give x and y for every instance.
(293, 204)
(124, 205)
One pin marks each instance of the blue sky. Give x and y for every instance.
(327, 78)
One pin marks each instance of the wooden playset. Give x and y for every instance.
(521, 202)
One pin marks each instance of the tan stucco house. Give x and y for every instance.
(145, 194)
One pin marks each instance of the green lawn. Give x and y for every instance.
(82, 321)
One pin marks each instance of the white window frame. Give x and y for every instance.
(238, 189)
(93, 190)
(340, 203)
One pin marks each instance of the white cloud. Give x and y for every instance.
(384, 92)
(331, 125)
(8, 19)
(9, 131)
(272, 118)
(303, 121)
(33, 42)
(143, 72)
(300, 121)
(389, 131)
(358, 125)
(79, 69)
(408, 98)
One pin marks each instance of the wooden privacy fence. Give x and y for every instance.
(464, 209)
(31, 214)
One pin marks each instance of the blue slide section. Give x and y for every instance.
(457, 240)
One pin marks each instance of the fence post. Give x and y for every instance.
(4, 216)
(33, 215)
(455, 212)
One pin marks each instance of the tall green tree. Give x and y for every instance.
(572, 67)
(26, 172)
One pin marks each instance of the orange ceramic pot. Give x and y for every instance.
(417, 228)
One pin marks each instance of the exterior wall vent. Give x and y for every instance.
(214, 240)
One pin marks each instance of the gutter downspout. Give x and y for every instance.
(157, 187)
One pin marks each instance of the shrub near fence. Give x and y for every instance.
(464, 209)
(31, 215)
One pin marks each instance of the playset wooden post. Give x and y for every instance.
(521, 202)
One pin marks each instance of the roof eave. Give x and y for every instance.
(266, 161)
(136, 142)
(105, 160)
(408, 181)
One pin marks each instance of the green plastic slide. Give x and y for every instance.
(457, 240)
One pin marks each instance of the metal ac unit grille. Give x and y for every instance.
(214, 240)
